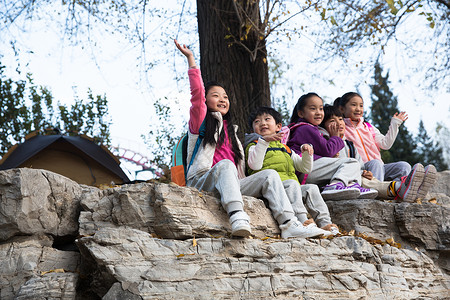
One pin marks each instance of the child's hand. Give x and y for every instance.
(274, 137)
(367, 174)
(188, 53)
(308, 148)
(184, 49)
(333, 129)
(403, 116)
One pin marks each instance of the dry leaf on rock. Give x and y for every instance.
(53, 271)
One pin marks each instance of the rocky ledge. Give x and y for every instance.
(62, 240)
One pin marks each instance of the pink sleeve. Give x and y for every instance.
(197, 112)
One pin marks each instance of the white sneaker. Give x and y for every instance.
(240, 224)
(294, 228)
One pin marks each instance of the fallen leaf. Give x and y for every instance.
(419, 201)
(433, 200)
(352, 232)
(194, 242)
(53, 271)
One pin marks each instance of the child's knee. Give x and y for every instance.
(226, 165)
(270, 175)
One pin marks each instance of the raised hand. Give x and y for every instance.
(403, 116)
(186, 52)
(333, 129)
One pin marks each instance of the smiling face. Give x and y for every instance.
(340, 124)
(217, 100)
(265, 124)
(313, 110)
(353, 109)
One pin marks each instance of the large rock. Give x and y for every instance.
(137, 242)
(167, 210)
(26, 258)
(38, 201)
(425, 225)
(221, 268)
(441, 189)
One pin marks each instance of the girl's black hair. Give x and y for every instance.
(211, 125)
(342, 101)
(301, 103)
(330, 111)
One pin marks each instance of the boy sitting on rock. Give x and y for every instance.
(263, 150)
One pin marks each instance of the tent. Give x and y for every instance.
(76, 157)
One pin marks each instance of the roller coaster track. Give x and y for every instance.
(137, 159)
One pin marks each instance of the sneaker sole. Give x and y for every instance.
(368, 195)
(241, 232)
(411, 192)
(428, 181)
(302, 236)
(347, 194)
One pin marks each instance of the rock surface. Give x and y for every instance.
(61, 240)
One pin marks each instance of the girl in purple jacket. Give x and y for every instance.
(341, 176)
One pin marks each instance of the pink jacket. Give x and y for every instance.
(368, 140)
(204, 158)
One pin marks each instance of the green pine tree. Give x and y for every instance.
(26, 107)
(428, 151)
(384, 106)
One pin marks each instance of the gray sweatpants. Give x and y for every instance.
(310, 196)
(329, 169)
(387, 172)
(223, 178)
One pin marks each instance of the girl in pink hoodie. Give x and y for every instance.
(368, 140)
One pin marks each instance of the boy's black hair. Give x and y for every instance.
(264, 110)
(328, 112)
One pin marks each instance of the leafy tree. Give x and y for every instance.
(25, 107)
(367, 25)
(428, 151)
(384, 106)
(165, 131)
(233, 35)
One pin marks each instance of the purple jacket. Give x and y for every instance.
(307, 133)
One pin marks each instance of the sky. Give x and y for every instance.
(110, 67)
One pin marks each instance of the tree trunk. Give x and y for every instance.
(244, 76)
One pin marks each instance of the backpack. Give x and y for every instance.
(179, 154)
(180, 167)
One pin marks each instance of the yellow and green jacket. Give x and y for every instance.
(262, 155)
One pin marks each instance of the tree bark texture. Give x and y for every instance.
(244, 76)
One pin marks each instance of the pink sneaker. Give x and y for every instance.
(410, 184)
(428, 181)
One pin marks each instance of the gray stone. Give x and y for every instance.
(37, 201)
(161, 241)
(218, 268)
(50, 286)
(26, 257)
(427, 224)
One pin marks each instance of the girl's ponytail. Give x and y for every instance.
(294, 116)
(301, 103)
